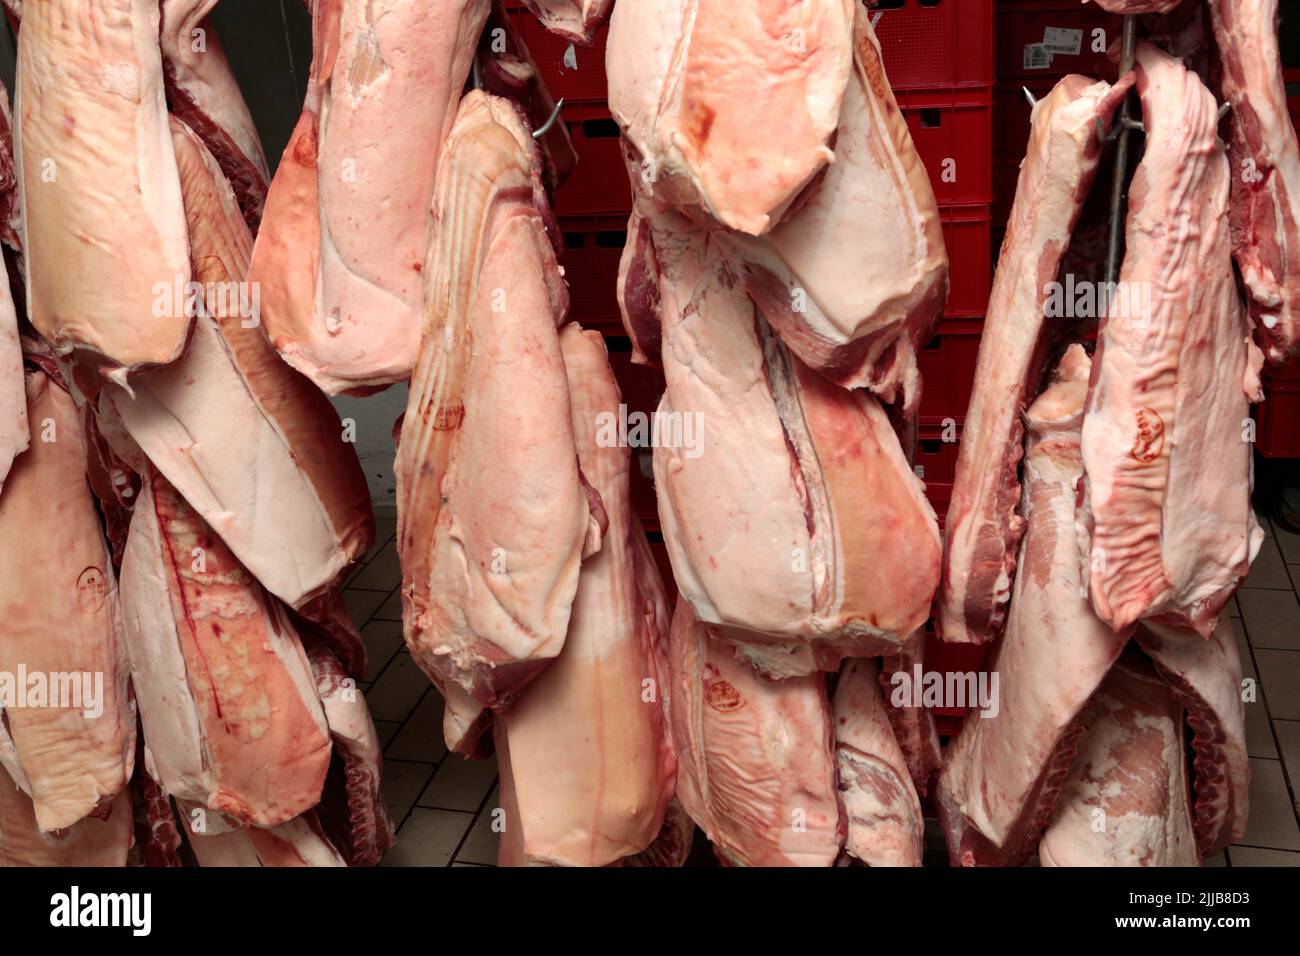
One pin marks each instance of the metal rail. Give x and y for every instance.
(1123, 127)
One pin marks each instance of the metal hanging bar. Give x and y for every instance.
(1123, 128)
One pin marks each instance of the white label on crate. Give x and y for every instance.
(920, 470)
(1063, 40)
(1037, 57)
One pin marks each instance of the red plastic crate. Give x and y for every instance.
(954, 126)
(1011, 115)
(939, 493)
(947, 364)
(593, 246)
(1022, 23)
(1277, 418)
(598, 185)
(1006, 176)
(949, 658)
(936, 43)
(967, 236)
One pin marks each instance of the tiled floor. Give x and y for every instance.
(443, 805)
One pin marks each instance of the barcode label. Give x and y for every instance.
(1037, 57)
(920, 470)
(1063, 40)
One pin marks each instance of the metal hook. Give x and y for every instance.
(1029, 96)
(546, 127)
(474, 72)
(1223, 110)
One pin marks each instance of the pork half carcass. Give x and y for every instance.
(10, 212)
(575, 20)
(298, 843)
(157, 833)
(1002, 775)
(72, 748)
(97, 183)
(1124, 802)
(1169, 529)
(1265, 164)
(99, 840)
(254, 447)
(13, 397)
(983, 530)
(584, 751)
(1205, 677)
(352, 811)
(638, 286)
(231, 718)
(883, 811)
(698, 86)
(205, 96)
(386, 76)
(494, 516)
(756, 758)
(777, 489)
(856, 301)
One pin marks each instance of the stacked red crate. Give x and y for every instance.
(1038, 42)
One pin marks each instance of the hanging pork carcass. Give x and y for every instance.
(1165, 505)
(1124, 801)
(756, 757)
(778, 490)
(1206, 679)
(983, 529)
(300, 842)
(494, 516)
(97, 184)
(254, 447)
(343, 239)
(13, 397)
(71, 746)
(1003, 774)
(585, 759)
(698, 86)
(99, 840)
(206, 97)
(881, 806)
(232, 721)
(1265, 165)
(856, 275)
(352, 811)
